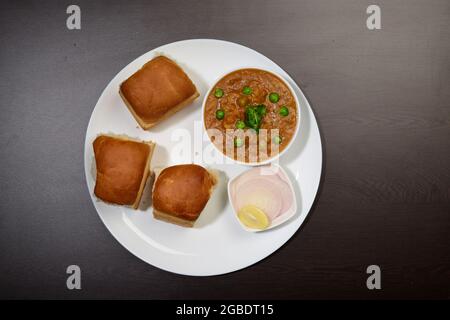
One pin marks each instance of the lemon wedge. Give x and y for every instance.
(253, 217)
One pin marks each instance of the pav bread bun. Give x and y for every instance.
(156, 91)
(123, 166)
(181, 192)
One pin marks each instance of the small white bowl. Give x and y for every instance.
(271, 159)
(278, 220)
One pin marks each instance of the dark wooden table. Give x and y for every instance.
(382, 99)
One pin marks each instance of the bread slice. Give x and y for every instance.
(181, 192)
(123, 167)
(157, 91)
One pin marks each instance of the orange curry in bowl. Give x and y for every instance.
(250, 115)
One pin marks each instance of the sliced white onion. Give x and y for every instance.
(261, 193)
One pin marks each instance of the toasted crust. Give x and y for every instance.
(156, 91)
(147, 125)
(181, 192)
(172, 219)
(122, 169)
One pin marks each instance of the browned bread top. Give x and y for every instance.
(183, 191)
(157, 88)
(122, 165)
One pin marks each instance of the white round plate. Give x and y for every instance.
(217, 244)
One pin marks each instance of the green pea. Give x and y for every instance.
(240, 124)
(247, 90)
(274, 97)
(218, 93)
(284, 111)
(238, 142)
(277, 139)
(220, 114)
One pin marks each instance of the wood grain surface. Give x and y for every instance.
(382, 100)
